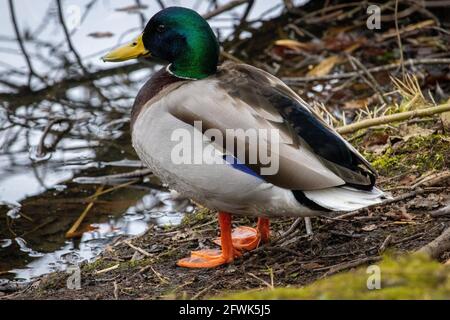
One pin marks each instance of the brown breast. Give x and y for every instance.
(151, 88)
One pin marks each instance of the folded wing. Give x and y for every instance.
(311, 155)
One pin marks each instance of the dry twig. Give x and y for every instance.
(393, 118)
(226, 7)
(73, 230)
(387, 67)
(438, 246)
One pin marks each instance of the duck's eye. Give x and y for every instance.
(160, 28)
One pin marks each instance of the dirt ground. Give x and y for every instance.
(144, 267)
(412, 158)
(335, 246)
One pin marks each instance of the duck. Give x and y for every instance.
(236, 139)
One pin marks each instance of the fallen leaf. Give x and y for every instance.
(430, 202)
(296, 45)
(378, 149)
(324, 67)
(356, 104)
(412, 27)
(336, 31)
(377, 138)
(377, 143)
(341, 39)
(353, 47)
(369, 227)
(181, 235)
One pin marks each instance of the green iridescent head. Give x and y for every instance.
(179, 36)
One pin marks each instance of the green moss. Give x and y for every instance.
(51, 282)
(96, 265)
(101, 264)
(130, 264)
(408, 277)
(387, 162)
(385, 57)
(199, 215)
(422, 153)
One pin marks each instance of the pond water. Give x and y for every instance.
(39, 202)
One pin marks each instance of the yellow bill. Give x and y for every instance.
(132, 50)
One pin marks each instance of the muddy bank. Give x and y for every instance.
(144, 267)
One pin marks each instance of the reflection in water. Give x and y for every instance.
(40, 200)
(22, 177)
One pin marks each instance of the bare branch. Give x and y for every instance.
(438, 246)
(22, 46)
(69, 41)
(393, 118)
(399, 40)
(42, 149)
(387, 67)
(226, 7)
(141, 14)
(161, 4)
(67, 83)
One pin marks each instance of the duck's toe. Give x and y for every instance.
(244, 238)
(208, 258)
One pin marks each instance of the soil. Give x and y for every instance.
(124, 272)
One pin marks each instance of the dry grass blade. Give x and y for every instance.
(126, 184)
(161, 278)
(138, 249)
(114, 267)
(270, 286)
(409, 88)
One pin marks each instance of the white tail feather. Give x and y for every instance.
(345, 198)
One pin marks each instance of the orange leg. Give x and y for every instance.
(211, 258)
(264, 229)
(247, 238)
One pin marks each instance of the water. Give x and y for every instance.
(155, 208)
(40, 199)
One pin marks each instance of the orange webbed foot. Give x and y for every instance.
(208, 258)
(244, 238)
(248, 238)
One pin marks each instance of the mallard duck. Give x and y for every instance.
(317, 171)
